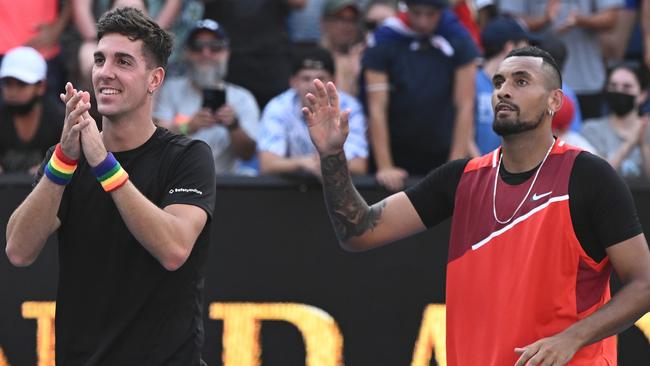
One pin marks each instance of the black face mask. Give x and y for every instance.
(22, 108)
(620, 103)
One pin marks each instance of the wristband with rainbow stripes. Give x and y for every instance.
(110, 173)
(60, 168)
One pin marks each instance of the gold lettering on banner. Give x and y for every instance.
(242, 323)
(3, 358)
(644, 325)
(43, 312)
(432, 337)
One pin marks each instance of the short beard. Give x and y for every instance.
(208, 76)
(505, 128)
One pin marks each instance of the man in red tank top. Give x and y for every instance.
(537, 227)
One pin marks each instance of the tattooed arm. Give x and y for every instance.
(349, 212)
(359, 226)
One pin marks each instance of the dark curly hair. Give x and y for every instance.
(130, 22)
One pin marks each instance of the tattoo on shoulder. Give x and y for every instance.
(349, 212)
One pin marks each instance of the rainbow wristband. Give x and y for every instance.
(60, 168)
(110, 173)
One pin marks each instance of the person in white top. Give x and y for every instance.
(205, 107)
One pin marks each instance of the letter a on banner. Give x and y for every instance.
(432, 337)
(3, 358)
(644, 325)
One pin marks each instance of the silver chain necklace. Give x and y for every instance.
(496, 179)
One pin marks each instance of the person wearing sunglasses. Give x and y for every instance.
(202, 105)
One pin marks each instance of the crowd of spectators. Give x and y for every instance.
(416, 76)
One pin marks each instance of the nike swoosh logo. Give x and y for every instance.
(540, 196)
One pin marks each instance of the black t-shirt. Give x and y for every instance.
(19, 156)
(259, 42)
(421, 110)
(601, 205)
(116, 304)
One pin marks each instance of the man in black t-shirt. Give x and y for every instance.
(537, 227)
(132, 247)
(260, 60)
(30, 122)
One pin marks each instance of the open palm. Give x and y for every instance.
(328, 126)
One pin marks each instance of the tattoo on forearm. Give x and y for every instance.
(349, 212)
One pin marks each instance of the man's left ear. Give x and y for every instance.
(555, 101)
(156, 79)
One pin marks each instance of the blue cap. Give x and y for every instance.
(208, 25)
(501, 30)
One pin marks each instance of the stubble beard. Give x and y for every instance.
(504, 127)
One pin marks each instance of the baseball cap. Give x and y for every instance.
(24, 64)
(501, 30)
(434, 3)
(207, 25)
(334, 6)
(312, 57)
(563, 118)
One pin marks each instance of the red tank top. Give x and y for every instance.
(509, 285)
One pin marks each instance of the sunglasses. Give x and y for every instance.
(214, 46)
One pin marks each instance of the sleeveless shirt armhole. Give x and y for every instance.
(433, 197)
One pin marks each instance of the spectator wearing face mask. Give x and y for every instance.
(622, 136)
(30, 122)
(228, 122)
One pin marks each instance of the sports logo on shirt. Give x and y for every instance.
(537, 197)
(185, 190)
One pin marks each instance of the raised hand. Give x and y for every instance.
(77, 105)
(328, 126)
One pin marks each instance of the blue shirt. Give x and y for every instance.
(284, 131)
(486, 139)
